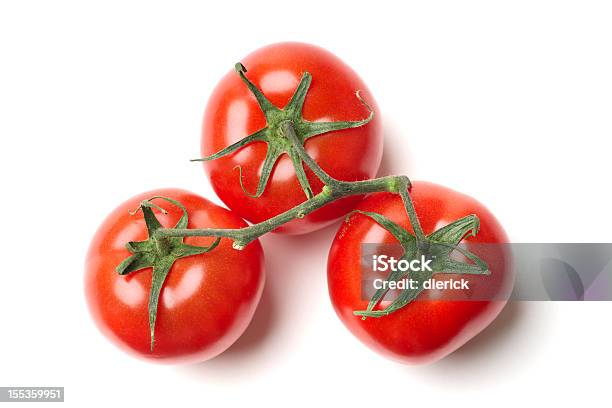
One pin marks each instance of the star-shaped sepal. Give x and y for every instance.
(158, 253)
(438, 247)
(273, 134)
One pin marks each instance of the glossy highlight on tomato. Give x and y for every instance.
(207, 300)
(233, 113)
(436, 323)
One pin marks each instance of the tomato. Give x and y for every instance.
(436, 323)
(233, 113)
(207, 300)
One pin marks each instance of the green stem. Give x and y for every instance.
(333, 190)
(287, 129)
(246, 235)
(396, 184)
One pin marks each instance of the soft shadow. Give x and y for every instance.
(269, 335)
(495, 353)
(303, 243)
(492, 337)
(394, 160)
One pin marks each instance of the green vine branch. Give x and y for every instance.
(241, 237)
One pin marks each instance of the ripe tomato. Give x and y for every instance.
(207, 300)
(436, 323)
(233, 113)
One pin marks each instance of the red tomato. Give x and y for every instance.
(233, 113)
(435, 324)
(207, 300)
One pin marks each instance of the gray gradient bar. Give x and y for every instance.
(543, 271)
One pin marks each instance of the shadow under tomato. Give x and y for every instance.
(273, 332)
(498, 352)
(395, 161)
(493, 335)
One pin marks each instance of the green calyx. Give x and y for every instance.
(158, 253)
(274, 134)
(437, 246)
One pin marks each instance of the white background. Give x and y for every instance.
(507, 101)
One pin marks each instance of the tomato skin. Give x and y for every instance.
(431, 327)
(207, 300)
(232, 113)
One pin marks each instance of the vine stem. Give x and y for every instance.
(333, 190)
